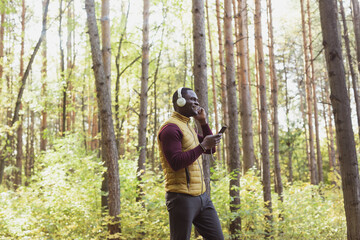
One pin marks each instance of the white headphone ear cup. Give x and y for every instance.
(181, 102)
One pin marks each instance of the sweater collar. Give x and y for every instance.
(180, 117)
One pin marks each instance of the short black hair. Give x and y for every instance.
(183, 93)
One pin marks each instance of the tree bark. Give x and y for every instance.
(341, 109)
(2, 30)
(316, 118)
(233, 132)
(274, 97)
(263, 113)
(213, 78)
(143, 95)
(19, 147)
(43, 126)
(109, 150)
(289, 143)
(222, 81)
(200, 76)
(245, 107)
(312, 163)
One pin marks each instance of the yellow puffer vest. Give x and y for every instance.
(176, 181)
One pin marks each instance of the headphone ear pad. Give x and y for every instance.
(181, 102)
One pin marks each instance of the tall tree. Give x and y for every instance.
(106, 57)
(354, 77)
(245, 103)
(108, 142)
(200, 76)
(342, 115)
(144, 92)
(274, 98)
(263, 112)
(222, 76)
(19, 137)
(2, 28)
(212, 71)
(62, 72)
(313, 83)
(309, 99)
(233, 133)
(287, 107)
(106, 40)
(43, 126)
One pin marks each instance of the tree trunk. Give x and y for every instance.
(124, 18)
(223, 81)
(245, 107)
(312, 163)
(70, 114)
(106, 57)
(108, 141)
(43, 126)
(62, 74)
(316, 120)
(289, 143)
(274, 97)
(233, 133)
(105, 37)
(263, 114)
(19, 148)
(143, 95)
(341, 109)
(2, 28)
(200, 76)
(354, 77)
(213, 77)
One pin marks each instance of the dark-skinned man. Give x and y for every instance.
(180, 153)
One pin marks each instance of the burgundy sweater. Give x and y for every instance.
(170, 137)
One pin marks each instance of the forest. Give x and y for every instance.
(86, 85)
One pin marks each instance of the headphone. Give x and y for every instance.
(180, 101)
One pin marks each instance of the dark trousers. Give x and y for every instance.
(185, 210)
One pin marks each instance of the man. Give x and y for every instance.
(180, 153)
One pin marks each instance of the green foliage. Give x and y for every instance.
(62, 201)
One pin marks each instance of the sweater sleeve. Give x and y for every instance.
(170, 138)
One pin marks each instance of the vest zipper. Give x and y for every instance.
(197, 160)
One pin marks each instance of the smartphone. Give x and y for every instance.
(222, 130)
